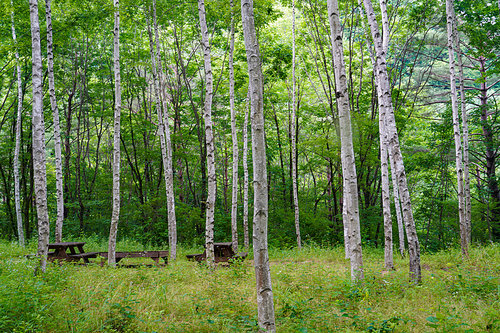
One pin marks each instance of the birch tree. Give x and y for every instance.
(40, 174)
(351, 207)
(294, 136)
(116, 139)
(245, 174)
(164, 129)
(209, 137)
(265, 303)
(465, 132)
(456, 127)
(401, 230)
(17, 191)
(234, 197)
(393, 142)
(57, 129)
(384, 168)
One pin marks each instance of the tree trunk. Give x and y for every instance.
(245, 175)
(164, 128)
(40, 177)
(351, 207)
(386, 199)
(260, 249)
(401, 230)
(393, 140)
(450, 13)
(490, 153)
(465, 134)
(116, 140)
(210, 218)
(384, 167)
(294, 137)
(234, 136)
(57, 130)
(17, 190)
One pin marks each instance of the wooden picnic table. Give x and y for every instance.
(154, 255)
(76, 252)
(223, 252)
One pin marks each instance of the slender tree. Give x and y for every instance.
(351, 207)
(40, 174)
(245, 174)
(265, 303)
(234, 136)
(393, 141)
(384, 167)
(465, 132)
(209, 137)
(293, 134)
(164, 129)
(17, 190)
(450, 19)
(57, 129)
(116, 139)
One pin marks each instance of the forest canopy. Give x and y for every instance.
(418, 69)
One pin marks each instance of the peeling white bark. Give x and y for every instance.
(393, 141)
(294, 137)
(115, 216)
(450, 18)
(351, 205)
(234, 136)
(40, 174)
(17, 190)
(245, 175)
(164, 129)
(209, 137)
(57, 128)
(265, 303)
(465, 134)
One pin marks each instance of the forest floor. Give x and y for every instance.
(311, 287)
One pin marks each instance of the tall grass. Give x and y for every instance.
(312, 291)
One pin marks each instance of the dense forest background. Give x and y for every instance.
(418, 66)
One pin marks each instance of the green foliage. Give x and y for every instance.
(312, 291)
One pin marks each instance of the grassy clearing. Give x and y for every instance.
(312, 292)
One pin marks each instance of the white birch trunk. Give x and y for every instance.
(163, 122)
(347, 149)
(382, 129)
(345, 224)
(260, 249)
(397, 208)
(385, 25)
(234, 136)
(209, 232)
(456, 128)
(57, 129)
(386, 199)
(17, 190)
(40, 174)
(384, 167)
(116, 140)
(393, 141)
(465, 133)
(245, 175)
(294, 137)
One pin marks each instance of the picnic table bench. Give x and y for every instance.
(75, 253)
(154, 255)
(223, 252)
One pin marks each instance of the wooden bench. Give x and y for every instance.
(223, 252)
(154, 255)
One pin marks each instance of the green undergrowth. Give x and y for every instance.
(312, 293)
